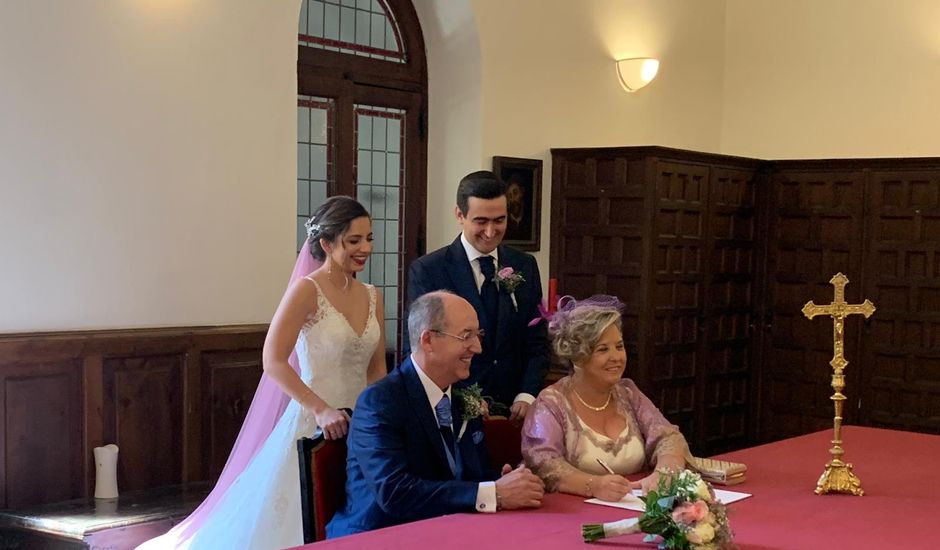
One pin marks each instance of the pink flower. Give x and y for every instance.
(690, 512)
(505, 272)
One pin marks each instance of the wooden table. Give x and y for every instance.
(88, 523)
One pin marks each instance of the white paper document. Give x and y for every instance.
(633, 502)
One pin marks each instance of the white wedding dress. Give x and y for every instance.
(261, 509)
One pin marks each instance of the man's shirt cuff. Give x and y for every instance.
(486, 497)
(525, 398)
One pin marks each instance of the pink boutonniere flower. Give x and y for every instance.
(508, 279)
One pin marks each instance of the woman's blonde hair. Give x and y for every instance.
(577, 325)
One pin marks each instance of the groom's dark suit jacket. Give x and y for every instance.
(515, 356)
(397, 469)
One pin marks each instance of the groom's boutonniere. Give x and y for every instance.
(471, 405)
(508, 279)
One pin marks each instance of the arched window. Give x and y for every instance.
(361, 129)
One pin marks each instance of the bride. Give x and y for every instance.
(332, 324)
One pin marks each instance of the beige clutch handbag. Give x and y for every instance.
(723, 472)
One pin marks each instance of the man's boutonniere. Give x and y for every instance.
(508, 279)
(471, 404)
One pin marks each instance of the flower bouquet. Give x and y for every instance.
(682, 512)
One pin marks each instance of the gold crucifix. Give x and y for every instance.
(838, 476)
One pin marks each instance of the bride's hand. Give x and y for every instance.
(333, 422)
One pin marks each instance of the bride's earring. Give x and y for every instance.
(345, 281)
(329, 259)
(329, 271)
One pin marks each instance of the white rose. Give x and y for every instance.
(704, 531)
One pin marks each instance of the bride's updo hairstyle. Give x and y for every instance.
(577, 325)
(331, 220)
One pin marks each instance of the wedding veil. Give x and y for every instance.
(266, 409)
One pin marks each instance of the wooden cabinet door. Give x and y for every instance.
(598, 219)
(730, 301)
(704, 272)
(40, 432)
(816, 228)
(143, 414)
(901, 351)
(680, 251)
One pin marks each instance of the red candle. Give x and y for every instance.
(552, 295)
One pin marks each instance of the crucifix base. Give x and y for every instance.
(838, 478)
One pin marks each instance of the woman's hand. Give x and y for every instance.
(610, 487)
(333, 422)
(647, 483)
(665, 464)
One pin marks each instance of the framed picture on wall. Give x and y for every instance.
(523, 179)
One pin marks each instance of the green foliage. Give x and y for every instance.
(471, 401)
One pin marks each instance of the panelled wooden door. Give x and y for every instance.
(680, 236)
(816, 228)
(702, 297)
(598, 225)
(901, 353)
(674, 239)
(731, 294)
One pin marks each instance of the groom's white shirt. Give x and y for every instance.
(486, 493)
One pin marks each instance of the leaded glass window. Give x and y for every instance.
(315, 122)
(380, 135)
(359, 27)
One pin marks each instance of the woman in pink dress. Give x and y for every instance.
(593, 421)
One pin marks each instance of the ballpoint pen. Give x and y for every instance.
(606, 467)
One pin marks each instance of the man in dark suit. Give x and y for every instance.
(407, 458)
(515, 356)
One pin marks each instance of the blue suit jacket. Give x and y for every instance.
(397, 469)
(516, 358)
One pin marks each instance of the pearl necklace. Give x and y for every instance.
(585, 403)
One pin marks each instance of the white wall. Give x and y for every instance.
(548, 80)
(147, 147)
(147, 162)
(455, 122)
(832, 78)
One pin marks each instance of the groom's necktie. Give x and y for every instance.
(444, 421)
(489, 294)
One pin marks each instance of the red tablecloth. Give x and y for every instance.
(899, 510)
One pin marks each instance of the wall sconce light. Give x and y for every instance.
(636, 72)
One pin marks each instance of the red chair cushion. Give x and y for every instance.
(328, 470)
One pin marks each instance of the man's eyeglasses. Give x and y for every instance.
(466, 336)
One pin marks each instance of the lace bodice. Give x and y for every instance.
(333, 358)
(554, 437)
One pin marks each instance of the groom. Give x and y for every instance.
(515, 356)
(407, 458)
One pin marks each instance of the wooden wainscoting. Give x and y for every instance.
(172, 399)
(715, 256)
